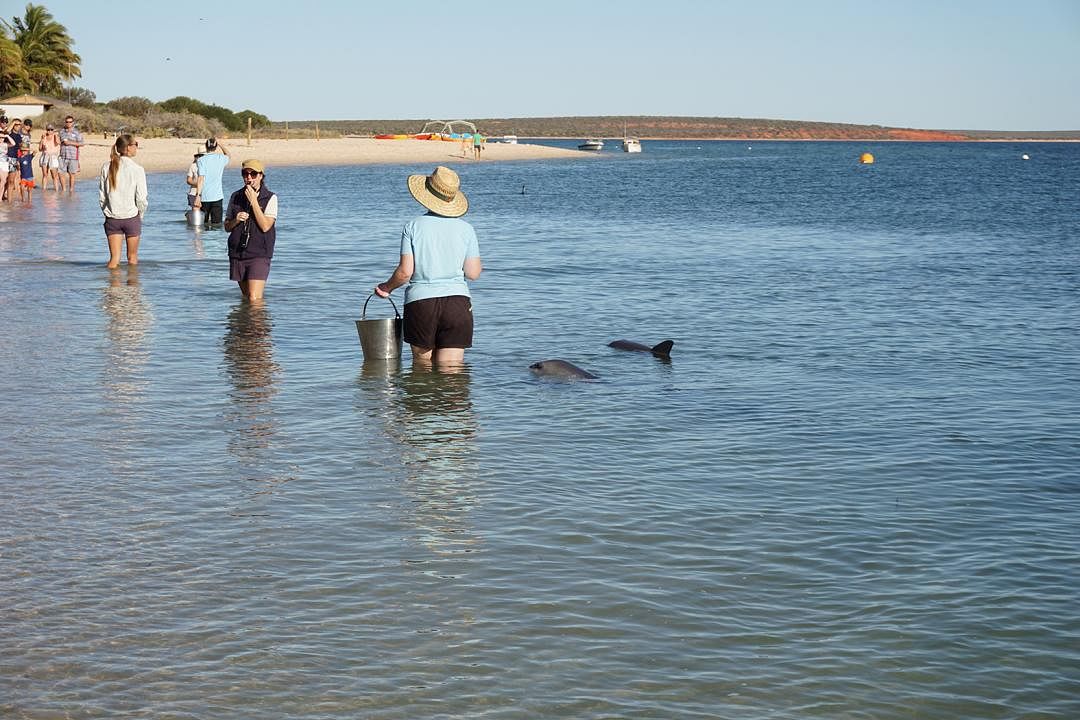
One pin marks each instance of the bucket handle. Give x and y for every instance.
(363, 313)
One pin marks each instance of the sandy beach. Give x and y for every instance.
(175, 154)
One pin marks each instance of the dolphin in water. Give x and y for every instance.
(561, 370)
(661, 350)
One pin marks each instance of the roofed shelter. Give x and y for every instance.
(447, 127)
(24, 106)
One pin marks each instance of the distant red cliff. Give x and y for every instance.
(685, 128)
(925, 135)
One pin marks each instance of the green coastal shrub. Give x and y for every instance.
(160, 123)
(132, 106)
(223, 115)
(258, 120)
(80, 97)
(153, 123)
(88, 120)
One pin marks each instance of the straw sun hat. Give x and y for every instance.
(440, 192)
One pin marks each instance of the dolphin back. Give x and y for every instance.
(560, 369)
(662, 349)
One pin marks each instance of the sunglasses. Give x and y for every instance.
(249, 173)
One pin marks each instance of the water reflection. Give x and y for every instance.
(430, 416)
(129, 319)
(251, 422)
(197, 244)
(55, 232)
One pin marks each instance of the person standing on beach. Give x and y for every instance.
(251, 221)
(49, 147)
(439, 251)
(477, 144)
(122, 196)
(70, 142)
(209, 192)
(13, 140)
(5, 143)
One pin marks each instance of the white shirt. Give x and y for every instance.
(193, 174)
(128, 198)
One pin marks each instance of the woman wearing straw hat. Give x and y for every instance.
(439, 251)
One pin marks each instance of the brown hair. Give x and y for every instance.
(119, 149)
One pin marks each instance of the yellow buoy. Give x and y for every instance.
(866, 159)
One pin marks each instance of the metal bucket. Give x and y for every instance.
(194, 217)
(380, 339)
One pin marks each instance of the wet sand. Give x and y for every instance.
(173, 154)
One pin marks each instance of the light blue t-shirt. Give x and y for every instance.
(211, 166)
(439, 246)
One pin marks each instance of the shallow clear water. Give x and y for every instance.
(853, 492)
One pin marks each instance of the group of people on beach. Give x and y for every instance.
(57, 152)
(439, 250)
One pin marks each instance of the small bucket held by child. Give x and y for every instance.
(380, 339)
(194, 217)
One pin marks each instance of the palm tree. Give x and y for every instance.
(13, 76)
(46, 50)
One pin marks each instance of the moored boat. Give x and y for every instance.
(591, 144)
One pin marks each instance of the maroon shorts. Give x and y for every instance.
(249, 269)
(128, 227)
(441, 322)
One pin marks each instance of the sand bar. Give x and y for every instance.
(175, 154)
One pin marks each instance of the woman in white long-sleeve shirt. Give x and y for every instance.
(122, 196)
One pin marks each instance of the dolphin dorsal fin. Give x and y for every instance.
(663, 348)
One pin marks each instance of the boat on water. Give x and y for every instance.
(591, 144)
(506, 139)
(629, 144)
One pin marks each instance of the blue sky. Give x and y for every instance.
(949, 64)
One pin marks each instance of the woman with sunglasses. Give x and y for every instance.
(122, 197)
(250, 221)
(49, 147)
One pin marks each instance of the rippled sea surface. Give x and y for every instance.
(854, 492)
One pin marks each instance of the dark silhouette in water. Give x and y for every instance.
(560, 369)
(661, 349)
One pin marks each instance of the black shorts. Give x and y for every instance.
(212, 211)
(441, 322)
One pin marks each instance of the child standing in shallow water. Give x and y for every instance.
(26, 170)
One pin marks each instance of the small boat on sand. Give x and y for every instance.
(591, 144)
